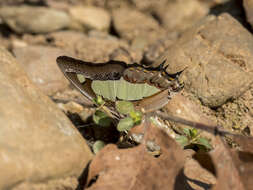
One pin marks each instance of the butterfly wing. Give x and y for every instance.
(111, 75)
(71, 68)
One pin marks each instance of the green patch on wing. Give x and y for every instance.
(122, 89)
(81, 78)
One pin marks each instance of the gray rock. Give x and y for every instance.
(91, 17)
(28, 19)
(218, 56)
(40, 65)
(38, 142)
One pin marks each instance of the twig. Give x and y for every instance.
(215, 129)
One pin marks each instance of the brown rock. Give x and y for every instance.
(65, 183)
(218, 56)
(130, 23)
(16, 2)
(248, 6)
(108, 4)
(40, 65)
(28, 19)
(91, 17)
(149, 5)
(38, 142)
(156, 49)
(96, 47)
(181, 14)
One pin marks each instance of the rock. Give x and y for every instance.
(180, 14)
(32, 39)
(156, 49)
(108, 4)
(29, 19)
(121, 54)
(65, 183)
(40, 65)
(130, 24)
(91, 17)
(218, 56)
(149, 5)
(184, 107)
(38, 143)
(248, 6)
(19, 2)
(16, 43)
(10, 2)
(237, 115)
(96, 47)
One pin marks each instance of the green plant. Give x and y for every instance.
(191, 137)
(132, 118)
(126, 108)
(97, 146)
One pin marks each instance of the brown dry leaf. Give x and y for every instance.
(229, 177)
(135, 168)
(243, 160)
(233, 168)
(199, 172)
(244, 163)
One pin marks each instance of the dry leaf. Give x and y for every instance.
(135, 168)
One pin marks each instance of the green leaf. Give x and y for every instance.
(187, 132)
(125, 124)
(81, 78)
(102, 119)
(99, 100)
(136, 116)
(205, 142)
(193, 133)
(124, 107)
(182, 140)
(97, 146)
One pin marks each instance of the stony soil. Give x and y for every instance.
(209, 40)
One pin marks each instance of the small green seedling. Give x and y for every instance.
(99, 101)
(192, 137)
(125, 124)
(102, 119)
(97, 146)
(126, 108)
(132, 118)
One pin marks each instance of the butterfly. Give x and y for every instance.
(149, 88)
